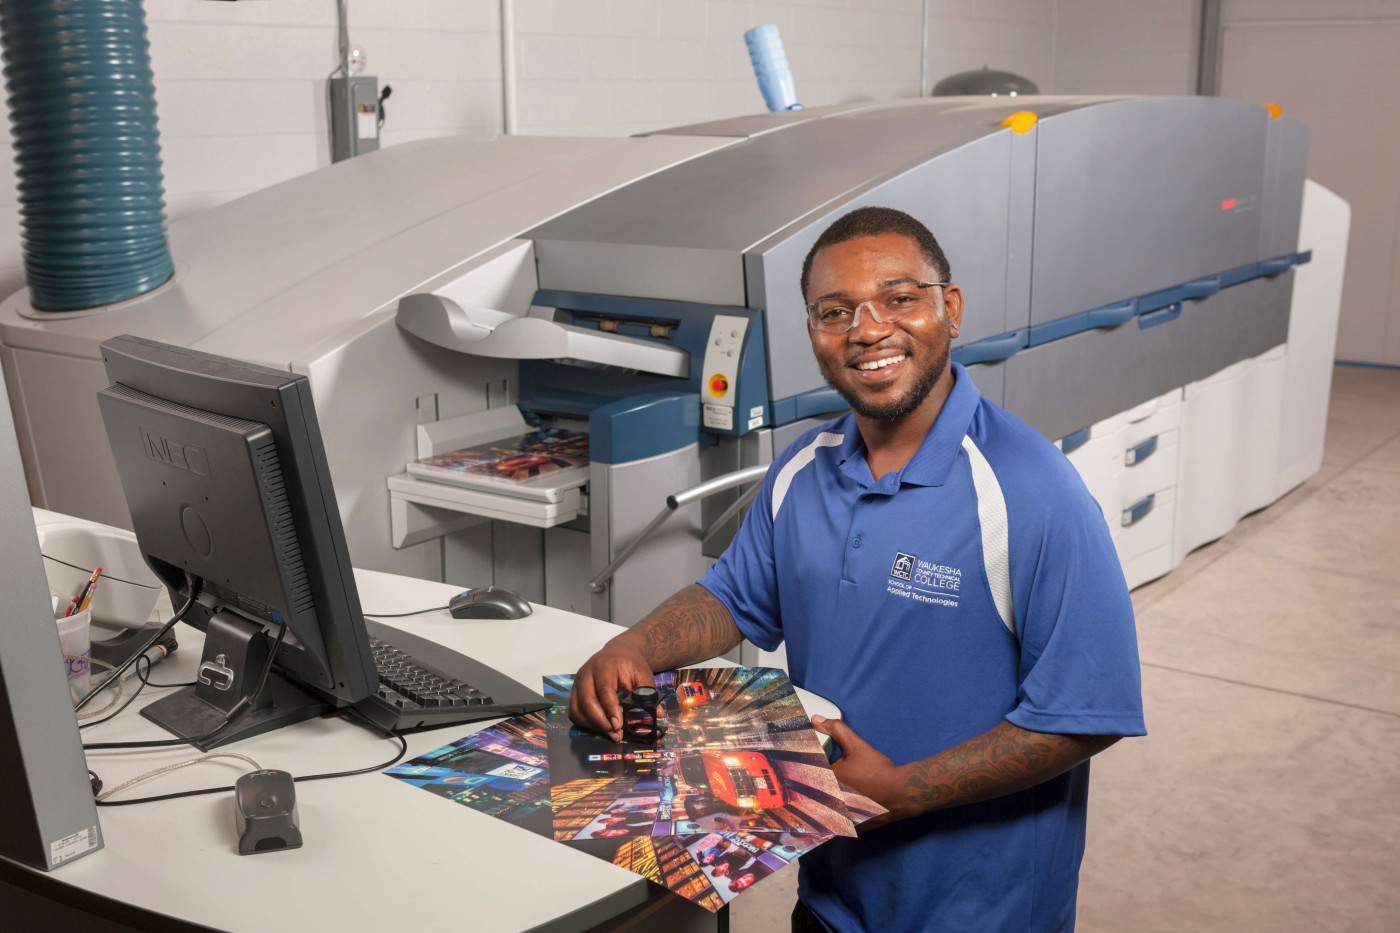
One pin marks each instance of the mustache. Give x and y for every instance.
(899, 345)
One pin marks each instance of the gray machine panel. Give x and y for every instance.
(756, 124)
(1235, 324)
(1285, 170)
(1065, 385)
(1123, 183)
(962, 196)
(990, 380)
(1059, 387)
(642, 270)
(750, 196)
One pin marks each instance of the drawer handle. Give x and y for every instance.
(1113, 315)
(991, 349)
(1139, 510)
(1140, 452)
(1201, 288)
(1161, 316)
(1075, 441)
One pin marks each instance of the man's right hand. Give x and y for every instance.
(687, 628)
(594, 703)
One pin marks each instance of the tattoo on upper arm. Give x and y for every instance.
(690, 626)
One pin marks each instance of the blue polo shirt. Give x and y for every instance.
(977, 584)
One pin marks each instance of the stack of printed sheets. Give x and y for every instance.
(736, 788)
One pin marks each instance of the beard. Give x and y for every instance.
(899, 406)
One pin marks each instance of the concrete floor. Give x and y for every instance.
(1267, 794)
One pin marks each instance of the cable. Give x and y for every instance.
(116, 698)
(130, 700)
(152, 683)
(156, 772)
(398, 756)
(365, 720)
(233, 714)
(383, 114)
(194, 584)
(403, 615)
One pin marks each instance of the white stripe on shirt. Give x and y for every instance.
(803, 457)
(996, 539)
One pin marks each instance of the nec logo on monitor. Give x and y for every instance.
(173, 453)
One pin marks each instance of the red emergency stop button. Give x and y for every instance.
(719, 385)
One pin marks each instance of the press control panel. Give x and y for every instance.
(720, 376)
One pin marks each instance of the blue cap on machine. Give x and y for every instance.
(770, 66)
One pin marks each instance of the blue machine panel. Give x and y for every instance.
(637, 415)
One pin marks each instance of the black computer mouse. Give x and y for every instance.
(489, 602)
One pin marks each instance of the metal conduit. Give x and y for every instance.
(82, 109)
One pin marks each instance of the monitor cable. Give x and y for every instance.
(403, 615)
(121, 684)
(103, 799)
(194, 584)
(116, 697)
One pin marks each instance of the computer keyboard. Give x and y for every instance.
(422, 684)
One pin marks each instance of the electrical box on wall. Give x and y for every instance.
(354, 116)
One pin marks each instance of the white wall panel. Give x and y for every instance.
(1125, 46)
(1070, 46)
(1338, 77)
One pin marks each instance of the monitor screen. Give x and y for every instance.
(228, 486)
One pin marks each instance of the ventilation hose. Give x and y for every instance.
(770, 66)
(83, 114)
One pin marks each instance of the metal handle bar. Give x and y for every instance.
(673, 502)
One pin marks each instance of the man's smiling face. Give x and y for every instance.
(884, 370)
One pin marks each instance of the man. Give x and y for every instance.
(937, 570)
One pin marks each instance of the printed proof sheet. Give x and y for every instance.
(736, 788)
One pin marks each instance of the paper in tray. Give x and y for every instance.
(511, 459)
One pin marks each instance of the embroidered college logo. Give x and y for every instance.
(924, 581)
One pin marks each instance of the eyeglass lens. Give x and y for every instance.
(841, 314)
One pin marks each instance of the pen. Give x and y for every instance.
(86, 595)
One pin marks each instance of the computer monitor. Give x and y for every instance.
(227, 482)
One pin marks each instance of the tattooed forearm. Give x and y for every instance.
(690, 626)
(1001, 761)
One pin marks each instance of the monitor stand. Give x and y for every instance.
(235, 651)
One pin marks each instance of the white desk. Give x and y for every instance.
(377, 853)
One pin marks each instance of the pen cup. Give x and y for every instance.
(75, 635)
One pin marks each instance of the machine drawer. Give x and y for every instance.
(1162, 413)
(1099, 463)
(1148, 466)
(1148, 566)
(1145, 524)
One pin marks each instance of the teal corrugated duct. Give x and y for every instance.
(87, 151)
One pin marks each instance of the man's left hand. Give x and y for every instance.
(1003, 760)
(865, 769)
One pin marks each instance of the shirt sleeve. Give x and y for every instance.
(745, 577)
(1079, 671)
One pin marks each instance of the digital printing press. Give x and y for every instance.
(1136, 284)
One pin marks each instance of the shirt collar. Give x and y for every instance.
(931, 462)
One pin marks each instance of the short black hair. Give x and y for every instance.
(877, 221)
